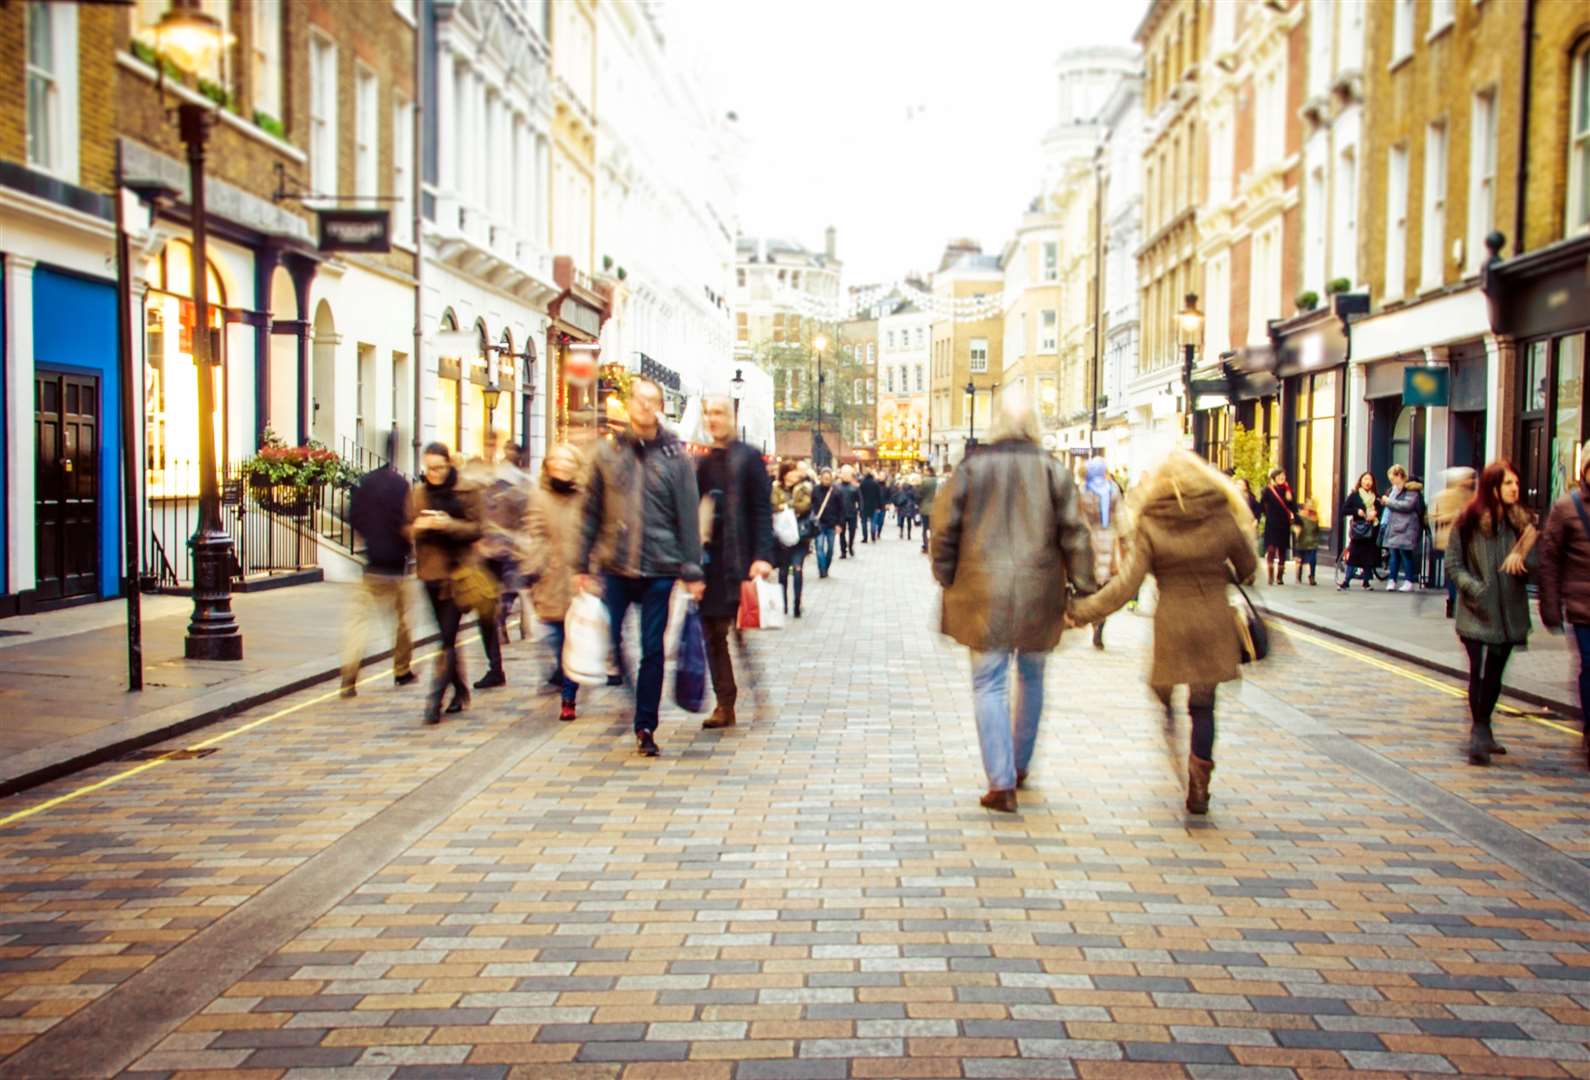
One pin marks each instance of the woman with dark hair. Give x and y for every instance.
(447, 521)
(1361, 519)
(793, 489)
(1485, 559)
(1280, 510)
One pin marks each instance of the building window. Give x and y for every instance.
(739, 278)
(1051, 269)
(1221, 157)
(1321, 18)
(322, 116)
(1482, 176)
(1578, 204)
(266, 46)
(1217, 303)
(1402, 31)
(1314, 230)
(1432, 259)
(1442, 15)
(1396, 221)
(1269, 120)
(1264, 292)
(742, 326)
(366, 134)
(403, 172)
(1047, 339)
(52, 88)
(1350, 37)
(795, 279)
(888, 381)
(891, 340)
(979, 354)
(1345, 247)
(919, 383)
(1314, 442)
(778, 326)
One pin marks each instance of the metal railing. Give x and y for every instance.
(267, 526)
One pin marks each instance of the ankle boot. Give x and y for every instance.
(1480, 744)
(1198, 773)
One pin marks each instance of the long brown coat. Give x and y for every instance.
(553, 523)
(1186, 544)
(1007, 538)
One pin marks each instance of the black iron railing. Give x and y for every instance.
(267, 526)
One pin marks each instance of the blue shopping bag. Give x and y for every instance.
(690, 673)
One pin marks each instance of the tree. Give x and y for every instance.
(1250, 457)
(844, 411)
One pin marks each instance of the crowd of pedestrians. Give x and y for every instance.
(1022, 547)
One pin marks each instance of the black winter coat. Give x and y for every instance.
(734, 478)
(831, 502)
(379, 512)
(1279, 508)
(871, 495)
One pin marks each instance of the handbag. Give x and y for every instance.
(1252, 632)
(761, 606)
(810, 527)
(786, 527)
(587, 640)
(690, 673)
(474, 589)
(1362, 530)
(749, 616)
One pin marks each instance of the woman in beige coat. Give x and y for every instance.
(1192, 529)
(552, 535)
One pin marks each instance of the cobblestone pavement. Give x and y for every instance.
(339, 891)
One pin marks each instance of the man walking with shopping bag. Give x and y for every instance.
(738, 548)
(642, 533)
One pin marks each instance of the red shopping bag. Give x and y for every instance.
(750, 617)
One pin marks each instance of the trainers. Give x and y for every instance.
(566, 712)
(1408, 586)
(646, 744)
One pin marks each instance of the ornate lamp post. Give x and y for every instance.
(737, 391)
(971, 415)
(1190, 322)
(819, 448)
(192, 39)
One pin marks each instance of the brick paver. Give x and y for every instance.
(818, 894)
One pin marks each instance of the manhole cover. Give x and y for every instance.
(169, 755)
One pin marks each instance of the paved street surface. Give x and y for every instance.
(336, 890)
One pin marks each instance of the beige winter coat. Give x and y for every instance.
(552, 537)
(1186, 544)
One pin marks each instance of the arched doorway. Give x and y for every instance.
(281, 413)
(323, 404)
(448, 377)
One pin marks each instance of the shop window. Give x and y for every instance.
(1315, 430)
(1567, 422)
(1578, 203)
(1403, 435)
(1537, 378)
(171, 378)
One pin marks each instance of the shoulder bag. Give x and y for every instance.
(1252, 632)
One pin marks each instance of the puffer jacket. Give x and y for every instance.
(1492, 607)
(642, 510)
(552, 525)
(1007, 540)
(1403, 513)
(1565, 562)
(1186, 540)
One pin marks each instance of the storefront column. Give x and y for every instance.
(1501, 353)
(1437, 429)
(19, 428)
(302, 271)
(265, 263)
(1357, 424)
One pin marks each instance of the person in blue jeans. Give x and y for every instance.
(1010, 544)
(642, 532)
(1565, 579)
(1403, 510)
(830, 518)
(551, 532)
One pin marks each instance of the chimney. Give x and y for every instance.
(828, 241)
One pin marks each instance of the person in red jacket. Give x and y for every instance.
(1565, 576)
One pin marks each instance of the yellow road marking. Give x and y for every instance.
(78, 793)
(1414, 676)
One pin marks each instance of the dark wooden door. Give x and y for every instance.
(1536, 465)
(66, 507)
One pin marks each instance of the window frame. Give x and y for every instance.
(366, 134)
(1578, 172)
(1482, 175)
(265, 58)
(973, 359)
(322, 113)
(61, 123)
(403, 170)
(1396, 268)
(1403, 30)
(1432, 256)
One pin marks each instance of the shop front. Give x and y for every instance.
(576, 406)
(1311, 364)
(1542, 301)
(1240, 391)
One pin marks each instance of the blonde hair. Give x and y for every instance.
(1182, 474)
(1017, 419)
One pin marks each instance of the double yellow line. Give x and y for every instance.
(213, 740)
(1411, 676)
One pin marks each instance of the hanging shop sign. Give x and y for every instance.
(355, 230)
(1427, 385)
(582, 317)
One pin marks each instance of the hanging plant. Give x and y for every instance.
(286, 478)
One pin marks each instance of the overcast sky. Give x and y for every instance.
(900, 122)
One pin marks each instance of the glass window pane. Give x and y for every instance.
(1568, 429)
(1322, 470)
(1535, 385)
(41, 45)
(1325, 394)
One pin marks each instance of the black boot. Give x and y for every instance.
(1480, 744)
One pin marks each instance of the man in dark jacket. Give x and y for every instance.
(849, 498)
(1565, 577)
(738, 548)
(642, 532)
(379, 512)
(830, 505)
(871, 507)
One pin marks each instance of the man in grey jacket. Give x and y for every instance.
(642, 533)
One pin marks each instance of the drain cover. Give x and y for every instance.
(169, 755)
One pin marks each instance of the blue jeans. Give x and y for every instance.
(1007, 742)
(1404, 561)
(569, 687)
(652, 596)
(877, 523)
(1581, 637)
(1309, 559)
(825, 550)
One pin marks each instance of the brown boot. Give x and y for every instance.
(722, 717)
(1198, 772)
(1003, 801)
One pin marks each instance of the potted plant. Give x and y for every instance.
(1307, 300)
(269, 124)
(1337, 285)
(607, 263)
(622, 273)
(288, 479)
(216, 93)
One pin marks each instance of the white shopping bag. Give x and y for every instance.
(678, 606)
(786, 528)
(770, 605)
(586, 640)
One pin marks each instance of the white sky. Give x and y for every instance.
(903, 123)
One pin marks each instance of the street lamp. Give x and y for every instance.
(191, 38)
(819, 448)
(736, 392)
(971, 416)
(1190, 322)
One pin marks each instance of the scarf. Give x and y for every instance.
(1101, 487)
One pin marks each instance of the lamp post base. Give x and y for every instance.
(213, 633)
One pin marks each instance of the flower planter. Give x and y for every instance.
(283, 499)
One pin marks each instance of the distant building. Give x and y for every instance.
(967, 348)
(904, 358)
